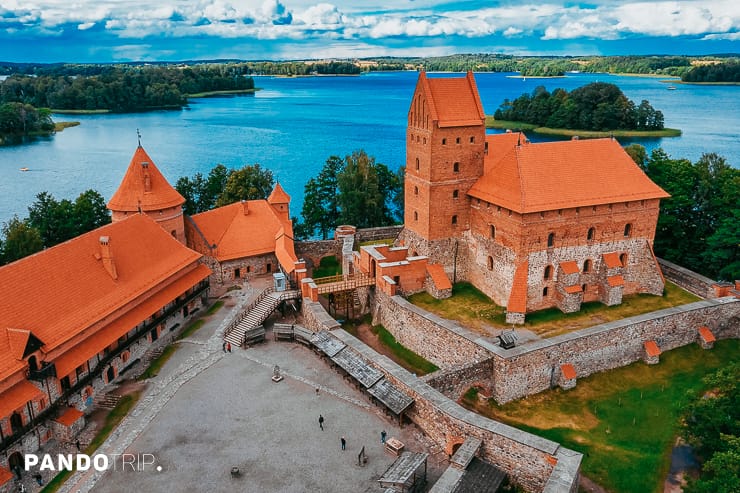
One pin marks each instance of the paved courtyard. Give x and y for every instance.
(207, 412)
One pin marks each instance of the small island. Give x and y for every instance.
(594, 110)
(20, 122)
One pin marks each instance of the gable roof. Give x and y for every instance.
(63, 290)
(143, 185)
(559, 175)
(278, 195)
(238, 235)
(452, 101)
(518, 295)
(439, 277)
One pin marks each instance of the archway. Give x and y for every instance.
(110, 374)
(16, 423)
(15, 463)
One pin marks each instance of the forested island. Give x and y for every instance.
(597, 107)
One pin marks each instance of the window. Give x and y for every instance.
(550, 240)
(591, 233)
(454, 219)
(424, 140)
(416, 190)
(587, 265)
(173, 233)
(472, 140)
(417, 164)
(457, 140)
(249, 269)
(444, 142)
(456, 167)
(544, 292)
(627, 230)
(490, 263)
(237, 273)
(493, 232)
(623, 259)
(416, 216)
(583, 288)
(485, 149)
(548, 272)
(269, 268)
(455, 194)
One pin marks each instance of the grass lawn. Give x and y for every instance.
(392, 348)
(158, 363)
(115, 416)
(566, 132)
(624, 421)
(386, 241)
(475, 310)
(208, 94)
(329, 266)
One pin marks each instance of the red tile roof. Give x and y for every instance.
(132, 192)
(17, 396)
(518, 296)
(706, 334)
(558, 175)
(238, 235)
(569, 267)
(62, 291)
(278, 195)
(69, 416)
(611, 260)
(500, 144)
(569, 372)
(453, 101)
(439, 277)
(572, 289)
(17, 340)
(652, 348)
(5, 476)
(614, 281)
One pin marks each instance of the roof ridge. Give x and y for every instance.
(429, 95)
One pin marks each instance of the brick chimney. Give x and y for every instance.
(245, 207)
(147, 178)
(107, 257)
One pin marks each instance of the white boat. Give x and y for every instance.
(24, 169)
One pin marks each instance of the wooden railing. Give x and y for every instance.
(243, 314)
(340, 283)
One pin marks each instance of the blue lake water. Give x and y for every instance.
(293, 125)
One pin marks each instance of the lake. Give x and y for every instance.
(293, 125)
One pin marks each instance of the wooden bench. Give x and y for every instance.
(282, 332)
(253, 336)
(302, 335)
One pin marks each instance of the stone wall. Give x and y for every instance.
(535, 463)
(313, 251)
(454, 381)
(380, 233)
(440, 341)
(689, 280)
(315, 317)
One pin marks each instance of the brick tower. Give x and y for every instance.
(145, 190)
(445, 147)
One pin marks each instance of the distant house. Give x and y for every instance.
(76, 315)
(531, 225)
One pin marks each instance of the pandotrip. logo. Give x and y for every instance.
(97, 462)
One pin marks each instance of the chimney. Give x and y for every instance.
(147, 178)
(107, 257)
(245, 207)
(575, 137)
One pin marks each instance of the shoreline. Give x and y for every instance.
(587, 134)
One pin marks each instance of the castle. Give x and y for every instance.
(533, 226)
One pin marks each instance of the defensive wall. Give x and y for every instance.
(689, 280)
(537, 464)
(535, 366)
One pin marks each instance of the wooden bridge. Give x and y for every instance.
(339, 283)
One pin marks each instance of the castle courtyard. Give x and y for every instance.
(229, 413)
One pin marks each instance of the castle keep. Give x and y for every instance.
(531, 225)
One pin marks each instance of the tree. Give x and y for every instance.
(21, 240)
(249, 183)
(638, 154)
(54, 220)
(90, 212)
(320, 210)
(361, 200)
(721, 472)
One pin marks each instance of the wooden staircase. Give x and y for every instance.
(256, 313)
(106, 401)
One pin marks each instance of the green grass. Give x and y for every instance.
(506, 124)
(59, 126)
(384, 241)
(474, 309)
(215, 307)
(329, 266)
(207, 94)
(115, 416)
(191, 329)
(624, 421)
(158, 363)
(80, 112)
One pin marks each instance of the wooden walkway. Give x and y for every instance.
(335, 284)
(252, 317)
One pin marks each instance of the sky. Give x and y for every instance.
(170, 30)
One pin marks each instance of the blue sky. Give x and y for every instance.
(126, 30)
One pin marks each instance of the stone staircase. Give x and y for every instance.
(256, 313)
(106, 401)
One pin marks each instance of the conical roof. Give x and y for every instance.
(278, 195)
(143, 187)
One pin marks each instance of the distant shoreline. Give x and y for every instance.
(226, 92)
(587, 134)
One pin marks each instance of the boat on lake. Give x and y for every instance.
(24, 169)
(671, 88)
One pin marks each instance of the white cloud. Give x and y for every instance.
(728, 36)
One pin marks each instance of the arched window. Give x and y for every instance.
(416, 216)
(456, 167)
(472, 140)
(490, 263)
(454, 219)
(583, 288)
(627, 230)
(548, 272)
(587, 265)
(623, 259)
(417, 164)
(591, 233)
(550, 240)
(544, 292)
(493, 232)
(416, 190)
(455, 194)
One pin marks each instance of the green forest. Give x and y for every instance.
(18, 120)
(596, 106)
(120, 88)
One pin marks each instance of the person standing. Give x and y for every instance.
(228, 347)
(382, 436)
(344, 442)
(321, 422)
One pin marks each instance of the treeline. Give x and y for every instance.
(596, 106)
(699, 225)
(302, 68)
(121, 88)
(18, 120)
(667, 65)
(51, 222)
(714, 72)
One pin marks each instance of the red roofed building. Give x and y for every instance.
(528, 224)
(66, 332)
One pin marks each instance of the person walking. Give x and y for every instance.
(223, 346)
(321, 422)
(344, 442)
(228, 347)
(382, 436)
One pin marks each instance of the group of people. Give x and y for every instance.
(342, 440)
